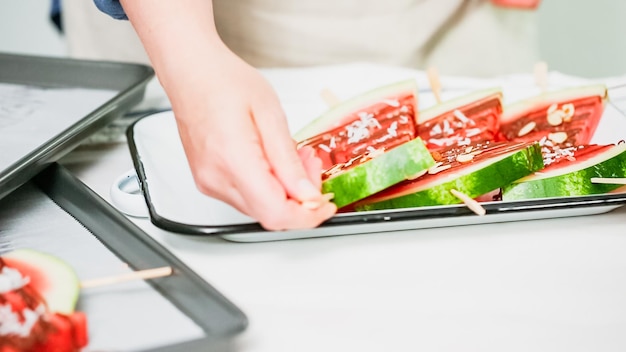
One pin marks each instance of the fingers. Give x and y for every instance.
(265, 196)
(241, 152)
(209, 171)
(237, 172)
(280, 151)
(312, 165)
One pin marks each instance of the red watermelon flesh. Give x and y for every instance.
(69, 333)
(567, 118)
(348, 111)
(54, 333)
(466, 120)
(621, 189)
(51, 277)
(380, 126)
(29, 323)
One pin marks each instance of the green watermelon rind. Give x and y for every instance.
(525, 106)
(61, 298)
(474, 181)
(381, 172)
(572, 181)
(332, 117)
(457, 103)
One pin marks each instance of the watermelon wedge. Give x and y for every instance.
(473, 170)
(38, 293)
(53, 279)
(570, 175)
(566, 117)
(378, 102)
(469, 119)
(379, 119)
(374, 171)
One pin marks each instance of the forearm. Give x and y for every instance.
(179, 37)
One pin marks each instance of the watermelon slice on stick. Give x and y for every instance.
(38, 294)
(375, 171)
(53, 279)
(573, 174)
(379, 119)
(473, 171)
(377, 102)
(566, 117)
(469, 119)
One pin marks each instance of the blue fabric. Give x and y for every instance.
(55, 14)
(55, 7)
(112, 8)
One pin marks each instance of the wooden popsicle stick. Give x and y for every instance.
(329, 97)
(135, 275)
(541, 75)
(609, 181)
(471, 203)
(315, 204)
(435, 83)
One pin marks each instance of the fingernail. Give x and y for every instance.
(307, 191)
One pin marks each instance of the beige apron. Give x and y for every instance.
(460, 37)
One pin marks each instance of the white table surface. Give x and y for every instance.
(541, 285)
(544, 285)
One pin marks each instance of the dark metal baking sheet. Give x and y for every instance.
(219, 318)
(128, 81)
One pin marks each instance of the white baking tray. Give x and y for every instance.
(174, 203)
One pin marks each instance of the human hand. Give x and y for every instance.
(239, 148)
(230, 121)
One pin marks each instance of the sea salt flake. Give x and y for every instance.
(461, 116)
(324, 147)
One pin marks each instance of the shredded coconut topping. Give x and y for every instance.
(325, 148)
(471, 132)
(333, 143)
(11, 280)
(553, 153)
(461, 116)
(455, 129)
(20, 324)
(359, 130)
(393, 129)
(464, 141)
